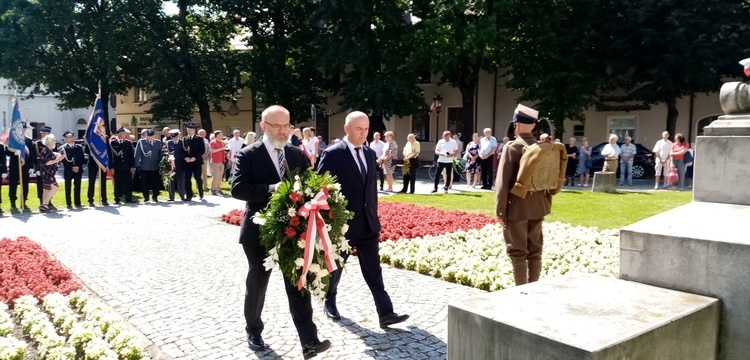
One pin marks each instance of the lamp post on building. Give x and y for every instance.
(437, 104)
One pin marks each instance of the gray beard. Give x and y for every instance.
(277, 144)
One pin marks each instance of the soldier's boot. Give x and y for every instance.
(520, 271)
(535, 270)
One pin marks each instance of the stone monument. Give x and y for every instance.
(702, 247)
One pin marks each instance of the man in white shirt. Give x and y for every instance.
(661, 151)
(487, 150)
(446, 149)
(377, 145)
(611, 153)
(627, 156)
(235, 145)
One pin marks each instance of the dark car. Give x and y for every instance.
(643, 164)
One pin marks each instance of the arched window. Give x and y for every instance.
(82, 122)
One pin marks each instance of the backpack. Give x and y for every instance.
(542, 168)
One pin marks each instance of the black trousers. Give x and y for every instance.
(150, 183)
(381, 175)
(95, 172)
(123, 185)
(369, 261)
(40, 188)
(193, 172)
(255, 296)
(13, 185)
(410, 179)
(73, 178)
(448, 174)
(487, 180)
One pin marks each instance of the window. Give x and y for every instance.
(578, 130)
(420, 126)
(455, 124)
(140, 95)
(622, 126)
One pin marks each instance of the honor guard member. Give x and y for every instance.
(26, 170)
(147, 159)
(3, 173)
(171, 147)
(72, 169)
(38, 144)
(190, 152)
(94, 173)
(123, 164)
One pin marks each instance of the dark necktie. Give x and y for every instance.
(280, 157)
(362, 170)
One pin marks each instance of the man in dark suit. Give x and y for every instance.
(189, 153)
(72, 169)
(174, 140)
(26, 169)
(354, 166)
(259, 170)
(94, 173)
(147, 160)
(3, 171)
(123, 162)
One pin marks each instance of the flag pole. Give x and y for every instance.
(20, 180)
(102, 179)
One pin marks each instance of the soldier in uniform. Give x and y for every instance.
(26, 170)
(171, 147)
(521, 219)
(72, 169)
(3, 173)
(147, 159)
(189, 153)
(123, 164)
(94, 172)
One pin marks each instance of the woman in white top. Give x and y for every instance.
(310, 144)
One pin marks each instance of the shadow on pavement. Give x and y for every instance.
(378, 343)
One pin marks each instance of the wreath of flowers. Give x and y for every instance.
(302, 229)
(166, 170)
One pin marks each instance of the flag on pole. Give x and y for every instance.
(16, 138)
(96, 136)
(746, 64)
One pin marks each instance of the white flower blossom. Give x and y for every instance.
(297, 185)
(259, 219)
(299, 262)
(301, 244)
(345, 228)
(314, 268)
(292, 212)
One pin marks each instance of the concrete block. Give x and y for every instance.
(604, 182)
(583, 317)
(722, 169)
(701, 248)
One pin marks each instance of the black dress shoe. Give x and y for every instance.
(390, 319)
(314, 348)
(403, 191)
(433, 191)
(104, 203)
(256, 343)
(329, 308)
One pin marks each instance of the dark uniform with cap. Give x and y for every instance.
(72, 170)
(3, 170)
(123, 163)
(171, 148)
(523, 217)
(13, 173)
(94, 173)
(190, 147)
(39, 164)
(147, 159)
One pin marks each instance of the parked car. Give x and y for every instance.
(643, 164)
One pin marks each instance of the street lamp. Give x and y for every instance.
(437, 104)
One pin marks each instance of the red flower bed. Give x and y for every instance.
(407, 221)
(27, 269)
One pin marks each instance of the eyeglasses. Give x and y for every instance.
(278, 126)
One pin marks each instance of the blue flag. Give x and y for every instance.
(16, 137)
(96, 136)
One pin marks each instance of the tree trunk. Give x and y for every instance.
(376, 125)
(467, 111)
(672, 115)
(205, 113)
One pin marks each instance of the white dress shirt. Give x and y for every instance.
(377, 146)
(354, 154)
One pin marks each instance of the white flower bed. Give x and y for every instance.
(10, 347)
(477, 257)
(73, 326)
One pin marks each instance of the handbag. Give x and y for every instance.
(688, 158)
(672, 176)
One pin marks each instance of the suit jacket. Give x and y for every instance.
(190, 147)
(3, 167)
(508, 206)
(122, 155)
(362, 196)
(73, 157)
(147, 155)
(253, 174)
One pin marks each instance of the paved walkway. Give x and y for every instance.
(176, 272)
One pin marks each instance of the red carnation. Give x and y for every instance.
(294, 221)
(290, 231)
(295, 197)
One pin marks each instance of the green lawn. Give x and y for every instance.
(604, 211)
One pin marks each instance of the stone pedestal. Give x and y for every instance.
(604, 182)
(722, 162)
(701, 248)
(583, 317)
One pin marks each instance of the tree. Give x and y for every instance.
(365, 45)
(192, 62)
(557, 54)
(674, 48)
(282, 62)
(69, 47)
(457, 39)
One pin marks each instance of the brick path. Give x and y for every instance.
(177, 274)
